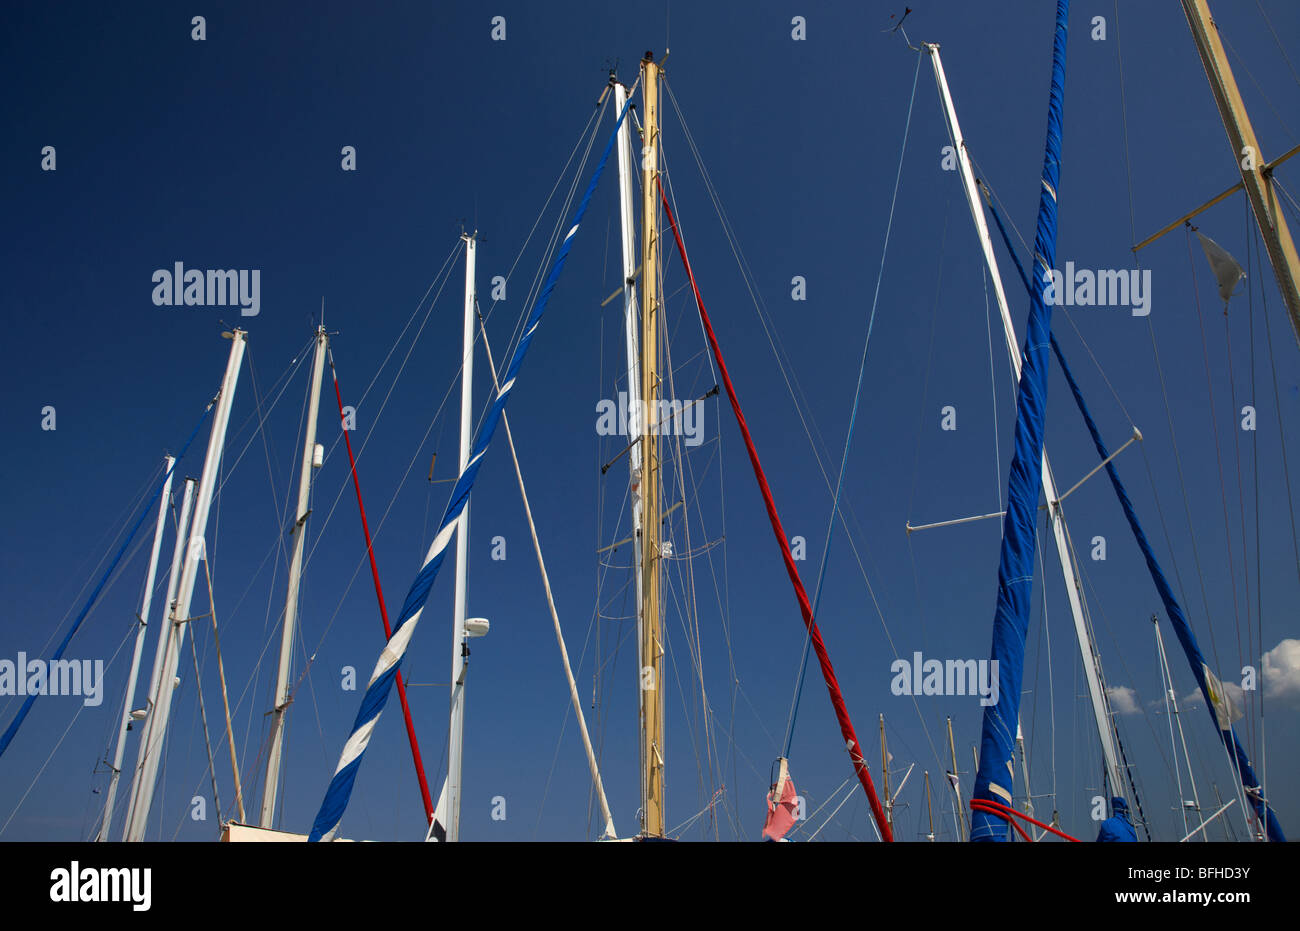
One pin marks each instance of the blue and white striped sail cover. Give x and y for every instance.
(381, 680)
(1019, 530)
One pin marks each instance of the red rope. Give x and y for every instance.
(1005, 813)
(828, 672)
(383, 610)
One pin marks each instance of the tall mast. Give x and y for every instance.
(282, 684)
(651, 651)
(456, 744)
(1256, 177)
(1055, 514)
(163, 500)
(151, 744)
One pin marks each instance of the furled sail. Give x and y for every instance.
(1019, 529)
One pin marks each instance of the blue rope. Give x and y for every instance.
(58, 654)
(853, 419)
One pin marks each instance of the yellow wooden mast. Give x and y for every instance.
(652, 706)
(1256, 175)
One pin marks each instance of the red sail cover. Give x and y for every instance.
(851, 742)
(780, 815)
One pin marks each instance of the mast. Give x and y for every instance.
(929, 808)
(459, 647)
(884, 769)
(651, 651)
(163, 500)
(1256, 174)
(150, 753)
(958, 813)
(1024, 770)
(1055, 514)
(178, 563)
(282, 697)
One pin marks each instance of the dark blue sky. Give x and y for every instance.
(225, 153)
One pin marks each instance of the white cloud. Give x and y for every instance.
(1281, 676)
(1282, 670)
(1123, 700)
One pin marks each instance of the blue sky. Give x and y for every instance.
(225, 153)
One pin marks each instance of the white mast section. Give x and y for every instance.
(1055, 514)
(631, 329)
(151, 697)
(151, 745)
(298, 530)
(163, 501)
(459, 647)
(178, 563)
(1024, 770)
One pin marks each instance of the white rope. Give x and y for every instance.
(550, 603)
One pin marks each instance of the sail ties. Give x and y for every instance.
(381, 679)
(852, 744)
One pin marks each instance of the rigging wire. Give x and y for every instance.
(790, 377)
(1280, 48)
(853, 416)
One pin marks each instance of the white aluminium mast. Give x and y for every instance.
(1056, 517)
(141, 629)
(298, 530)
(459, 646)
(151, 743)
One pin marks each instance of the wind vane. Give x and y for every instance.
(897, 25)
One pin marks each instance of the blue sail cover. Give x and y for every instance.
(1178, 621)
(1019, 530)
(381, 680)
